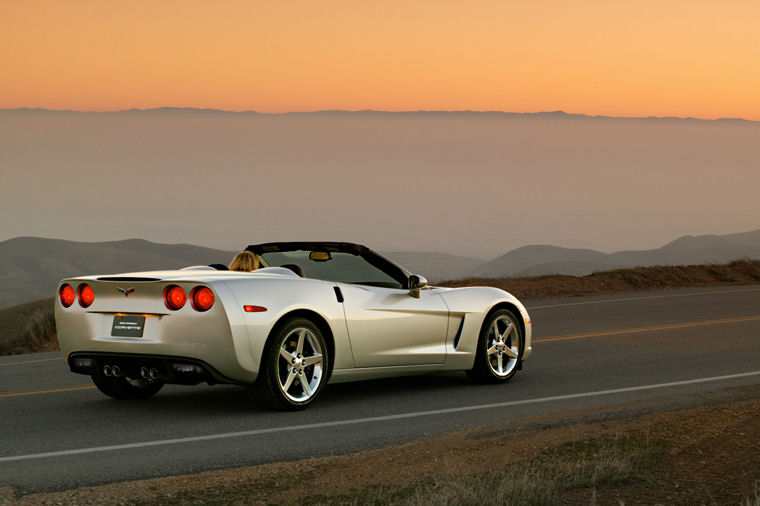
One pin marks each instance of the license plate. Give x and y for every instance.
(128, 326)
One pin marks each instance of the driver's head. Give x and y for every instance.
(245, 261)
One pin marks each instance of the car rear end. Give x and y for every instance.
(167, 328)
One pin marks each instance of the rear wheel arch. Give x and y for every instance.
(320, 322)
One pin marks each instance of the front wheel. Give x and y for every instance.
(127, 388)
(294, 366)
(500, 349)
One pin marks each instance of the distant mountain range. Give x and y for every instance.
(31, 267)
(540, 114)
(540, 260)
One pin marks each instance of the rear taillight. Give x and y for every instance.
(86, 295)
(67, 295)
(174, 297)
(203, 298)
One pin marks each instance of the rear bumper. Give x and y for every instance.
(168, 369)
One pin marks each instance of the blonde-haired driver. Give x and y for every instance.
(245, 261)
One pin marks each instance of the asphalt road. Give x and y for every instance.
(589, 352)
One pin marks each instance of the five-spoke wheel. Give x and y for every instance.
(300, 365)
(499, 348)
(294, 366)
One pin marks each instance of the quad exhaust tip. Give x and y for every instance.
(151, 373)
(112, 370)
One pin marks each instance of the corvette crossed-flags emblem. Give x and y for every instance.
(125, 291)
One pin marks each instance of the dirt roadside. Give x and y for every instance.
(705, 451)
(739, 272)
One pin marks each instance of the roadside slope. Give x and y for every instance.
(739, 272)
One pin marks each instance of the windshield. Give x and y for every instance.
(340, 267)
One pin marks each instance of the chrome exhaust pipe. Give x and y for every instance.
(153, 373)
(144, 372)
(116, 371)
(107, 370)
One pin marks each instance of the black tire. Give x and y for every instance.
(126, 388)
(507, 349)
(275, 388)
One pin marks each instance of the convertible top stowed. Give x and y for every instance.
(352, 315)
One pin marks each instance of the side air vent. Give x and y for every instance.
(459, 334)
(126, 278)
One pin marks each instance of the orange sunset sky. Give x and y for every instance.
(681, 58)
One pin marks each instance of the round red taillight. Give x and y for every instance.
(203, 298)
(67, 295)
(86, 295)
(174, 297)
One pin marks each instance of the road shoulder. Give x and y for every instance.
(700, 450)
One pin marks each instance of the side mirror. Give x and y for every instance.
(416, 283)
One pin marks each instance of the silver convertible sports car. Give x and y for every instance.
(315, 312)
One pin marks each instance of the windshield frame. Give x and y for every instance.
(373, 258)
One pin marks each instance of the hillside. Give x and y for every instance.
(28, 327)
(435, 266)
(31, 267)
(543, 260)
(738, 272)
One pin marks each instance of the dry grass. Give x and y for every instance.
(36, 328)
(583, 464)
(738, 272)
(749, 501)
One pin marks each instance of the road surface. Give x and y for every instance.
(58, 432)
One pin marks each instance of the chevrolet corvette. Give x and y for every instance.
(315, 312)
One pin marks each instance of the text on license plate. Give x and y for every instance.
(128, 326)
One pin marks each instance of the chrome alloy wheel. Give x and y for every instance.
(503, 346)
(299, 367)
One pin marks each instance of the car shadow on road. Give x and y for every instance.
(401, 386)
(232, 400)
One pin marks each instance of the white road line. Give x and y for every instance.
(374, 419)
(32, 361)
(626, 299)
